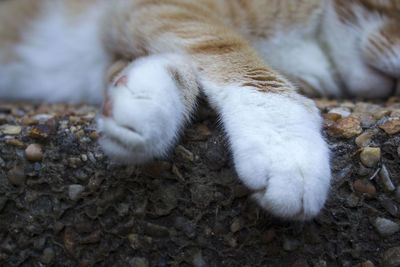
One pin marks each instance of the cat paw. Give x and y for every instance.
(142, 112)
(294, 184)
(279, 152)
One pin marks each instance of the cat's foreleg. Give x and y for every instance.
(274, 133)
(146, 104)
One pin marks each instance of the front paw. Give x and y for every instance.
(142, 112)
(278, 151)
(290, 179)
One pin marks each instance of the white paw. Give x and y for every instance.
(294, 183)
(278, 150)
(142, 113)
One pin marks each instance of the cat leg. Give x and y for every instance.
(277, 147)
(274, 133)
(146, 104)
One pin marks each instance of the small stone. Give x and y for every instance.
(70, 237)
(182, 225)
(14, 142)
(177, 173)
(31, 196)
(34, 153)
(157, 169)
(321, 263)
(74, 119)
(201, 195)
(80, 133)
(29, 121)
(386, 227)
(268, 236)
(391, 126)
(232, 241)
(198, 260)
(389, 206)
(94, 135)
(395, 113)
(364, 171)
(134, 241)
(74, 162)
(290, 244)
(184, 153)
(365, 138)
(385, 178)
(346, 127)
(16, 176)
(323, 104)
(364, 187)
(94, 183)
(300, 263)
(155, 230)
(237, 225)
(332, 116)
(138, 262)
(91, 157)
(12, 130)
(84, 263)
(370, 156)
(2, 163)
(367, 264)
(367, 119)
(138, 242)
(75, 191)
(199, 133)
(352, 200)
(342, 112)
(89, 116)
(47, 256)
(58, 226)
(41, 131)
(379, 113)
(84, 157)
(391, 257)
(92, 238)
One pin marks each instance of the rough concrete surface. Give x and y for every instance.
(63, 203)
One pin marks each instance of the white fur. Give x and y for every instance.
(344, 44)
(299, 56)
(60, 59)
(147, 113)
(277, 148)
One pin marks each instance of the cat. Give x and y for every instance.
(147, 61)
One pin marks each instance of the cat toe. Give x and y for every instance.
(291, 196)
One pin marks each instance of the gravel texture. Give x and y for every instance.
(64, 203)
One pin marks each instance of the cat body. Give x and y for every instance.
(147, 60)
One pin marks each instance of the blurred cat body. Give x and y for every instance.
(248, 57)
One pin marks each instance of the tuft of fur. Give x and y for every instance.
(146, 61)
